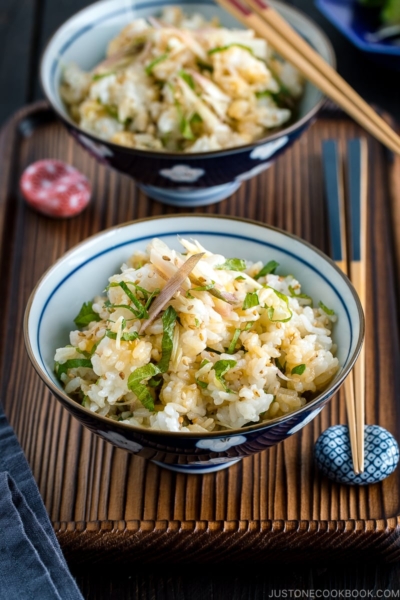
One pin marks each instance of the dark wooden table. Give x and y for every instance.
(25, 25)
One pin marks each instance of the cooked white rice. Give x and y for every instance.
(183, 84)
(282, 356)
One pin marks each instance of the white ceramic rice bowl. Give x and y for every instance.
(83, 273)
(173, 178)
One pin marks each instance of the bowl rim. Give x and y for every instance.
(75, 406)
(192, 155)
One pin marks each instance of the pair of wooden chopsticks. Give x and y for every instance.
(267, 23)
(352, 263)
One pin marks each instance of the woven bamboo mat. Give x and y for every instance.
(108, 505)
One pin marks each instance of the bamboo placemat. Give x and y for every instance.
(107, 505)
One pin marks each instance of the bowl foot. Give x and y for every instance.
(196, 469)
(191, 196)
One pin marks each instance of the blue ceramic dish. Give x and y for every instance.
(179, 179)
(84, 271)
(353, 21)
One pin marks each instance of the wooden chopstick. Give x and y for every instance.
(278, 23)
(334, 191)
(376, 126)
(357, 156)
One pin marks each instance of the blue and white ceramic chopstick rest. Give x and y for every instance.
(333, 455)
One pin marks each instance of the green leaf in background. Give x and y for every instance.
(390, 10)
(86, 315)
(390, 14)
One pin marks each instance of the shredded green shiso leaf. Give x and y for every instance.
(267, 269)
(155, 62)
(136, 385)
(143, 381)
(302, 296)
(233, 264)
(73, 363)
(221, 367)
(250, 300)
(228, 46)
(234, 340)
(168, 321)
(271, 310)
(86, 315)
(298, 369)
(326, 310)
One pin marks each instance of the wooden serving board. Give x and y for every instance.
(108, 505)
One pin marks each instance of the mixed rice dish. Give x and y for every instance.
(234, 345)
(182, 84)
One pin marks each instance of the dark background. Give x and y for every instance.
(25, 26)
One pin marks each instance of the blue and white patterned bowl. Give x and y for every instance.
(84, 271)
(179, 179)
